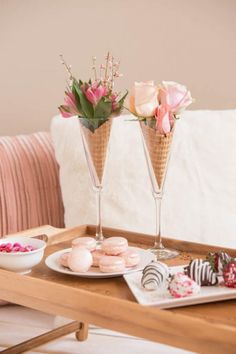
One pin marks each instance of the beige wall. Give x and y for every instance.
(189, 41)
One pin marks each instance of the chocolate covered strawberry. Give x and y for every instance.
(229, 274)
(201, 272)
(218, 260)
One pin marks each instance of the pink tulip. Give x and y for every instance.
(95, 92)
(69, 109)
(70, 100)
(68, 112)
(163, 119)
(64, 112)
(90, 96)
(175, 96)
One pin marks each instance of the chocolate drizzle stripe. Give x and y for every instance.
(201, 272)
(155, 272)
(153, 276)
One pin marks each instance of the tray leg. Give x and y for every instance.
(82, 334)
(49, 336)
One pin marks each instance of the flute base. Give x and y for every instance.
(99, 240)
(163, 253)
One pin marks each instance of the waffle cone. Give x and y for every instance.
(158, 147)
(97, 144)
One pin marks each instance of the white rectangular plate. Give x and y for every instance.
(162, 298)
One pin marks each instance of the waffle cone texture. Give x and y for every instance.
(97, 144)
(158, 147)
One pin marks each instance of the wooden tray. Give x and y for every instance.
(206, 328)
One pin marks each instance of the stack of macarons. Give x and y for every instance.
(113, 256)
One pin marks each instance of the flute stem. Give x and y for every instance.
(158, 242)
(99, 233)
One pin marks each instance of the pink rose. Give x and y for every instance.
(164, 119)
(143, 99)
(175, 96)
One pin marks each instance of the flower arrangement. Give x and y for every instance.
(93, 101)
(159, 106)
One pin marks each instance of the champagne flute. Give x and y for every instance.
(95, 147)
(157, 154)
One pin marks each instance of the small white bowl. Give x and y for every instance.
(22, 262)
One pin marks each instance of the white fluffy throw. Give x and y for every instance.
(200, 195)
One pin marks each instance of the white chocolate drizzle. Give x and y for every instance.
(154, 275)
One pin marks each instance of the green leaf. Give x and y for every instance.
(88, 124)
(75, 82)
(121, 100)
(103, 109)
(92, 124)
(77, 99)
(86, 106)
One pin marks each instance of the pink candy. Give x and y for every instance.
(15, 247)
(181, 286)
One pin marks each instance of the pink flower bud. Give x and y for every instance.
(163, 119)
(114, 102)
(117, 74)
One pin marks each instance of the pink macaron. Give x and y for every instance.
(113, 246)
(97, 255)
(131, 257)
(80, 260)
(111, 264)
(86, 242)
(63, 259)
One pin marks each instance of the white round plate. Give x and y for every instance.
(94, 272)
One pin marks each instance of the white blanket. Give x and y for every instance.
(200, 194)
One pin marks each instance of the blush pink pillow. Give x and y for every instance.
(30, 193)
